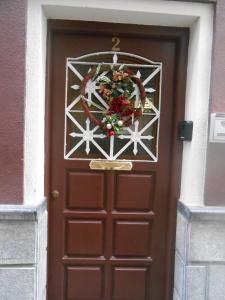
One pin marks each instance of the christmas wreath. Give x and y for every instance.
(116, 86)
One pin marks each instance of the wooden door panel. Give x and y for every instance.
(128, 189)
(130, 283)
(85, 238)
(81, 197)
(84, 283)
(111, 233)
(132, 239)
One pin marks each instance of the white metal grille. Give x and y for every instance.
(84, 140)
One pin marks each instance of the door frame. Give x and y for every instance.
(181, 38)
(167, 13)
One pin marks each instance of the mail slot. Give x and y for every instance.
(111, 165)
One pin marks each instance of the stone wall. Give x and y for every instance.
(23, 248)
(200, 253)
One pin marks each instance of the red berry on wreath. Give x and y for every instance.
(125, 102)
(111, 133)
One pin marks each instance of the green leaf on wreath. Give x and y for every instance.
(104, 79)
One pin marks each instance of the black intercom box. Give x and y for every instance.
(185, 130)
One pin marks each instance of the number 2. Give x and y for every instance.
(116, 42)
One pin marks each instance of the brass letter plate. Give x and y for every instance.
(111, 165)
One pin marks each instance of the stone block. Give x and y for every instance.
(42, 257)
(201, 250)
(179, 275)
(176, 296)
(181, 235)
(207, 241)
(216, 282)
(17, 283)
(196, 283)
(17, 242)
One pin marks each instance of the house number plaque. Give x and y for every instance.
(116, 42)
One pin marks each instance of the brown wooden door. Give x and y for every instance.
(111, 233)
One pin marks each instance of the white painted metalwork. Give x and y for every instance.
(86, 134)
(115, 56)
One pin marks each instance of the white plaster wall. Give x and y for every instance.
(196, 109)
(35, 104)
(199, 17)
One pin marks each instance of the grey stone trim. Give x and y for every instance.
(203, 213)
(17, 283)
(216, 281)
(196, 282)
(200, 253)
(198, 1)
(175, 295)
(22, 212)
(23, 251)
(17, 242)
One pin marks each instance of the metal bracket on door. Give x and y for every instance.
(111, 165)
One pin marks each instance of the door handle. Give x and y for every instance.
(55, 194)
